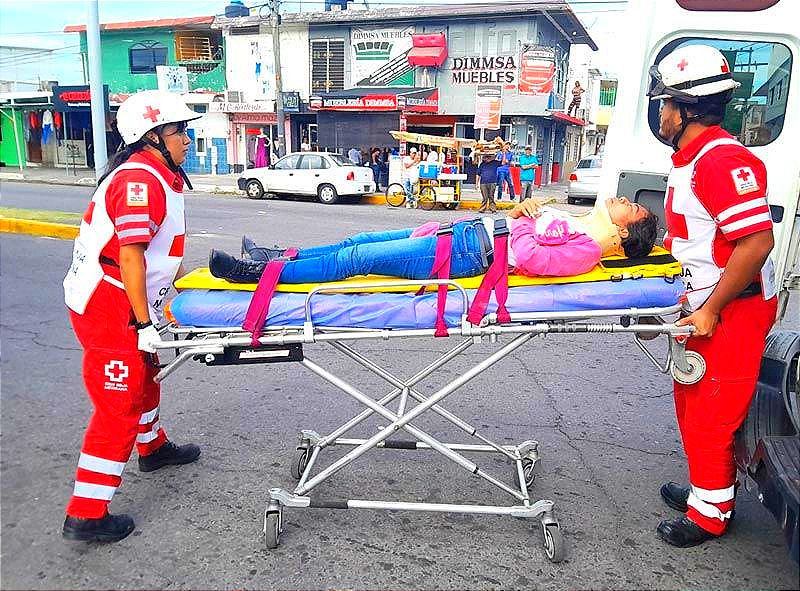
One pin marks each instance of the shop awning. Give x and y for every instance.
(568, 118)
(428, 50)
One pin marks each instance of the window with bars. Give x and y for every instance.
(327, 65)
(202, 52)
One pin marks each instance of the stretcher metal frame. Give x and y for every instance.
(232, 345)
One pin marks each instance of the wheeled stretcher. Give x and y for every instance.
(207, 319)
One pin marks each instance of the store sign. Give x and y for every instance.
(172, 79)
(537, 70)
(378, 56)
(75, 98)
(474, 70)
(370, 102)
(424, 101)
(488, 106)
(220, 107)
(71, 152)
(291, 102)
(255, 118)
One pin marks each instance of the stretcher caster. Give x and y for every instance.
(529, 471)
(272, 526)
(554, 545)
(299, 462)
(696, 369)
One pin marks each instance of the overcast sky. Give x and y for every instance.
(40, 23)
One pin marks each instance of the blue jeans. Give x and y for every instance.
(409, 187)
(504, 176)
(391, 253)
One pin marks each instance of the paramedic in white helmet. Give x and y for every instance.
(125, 259)
(719, 228)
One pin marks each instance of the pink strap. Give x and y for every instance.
(496, 279)
(258, 310)
(441, 268)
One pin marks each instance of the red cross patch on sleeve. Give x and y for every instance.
(744, 180)
(137, 194)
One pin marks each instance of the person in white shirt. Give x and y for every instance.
(410, 175)
(433, 157)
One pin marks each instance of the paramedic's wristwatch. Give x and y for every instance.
(141, 325)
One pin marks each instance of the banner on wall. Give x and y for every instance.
(537, 70)
(379, 56)
(172, 79)
(488, 106)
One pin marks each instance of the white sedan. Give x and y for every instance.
(325, 175)
(585, 179)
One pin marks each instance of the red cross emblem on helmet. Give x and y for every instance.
(151, 114)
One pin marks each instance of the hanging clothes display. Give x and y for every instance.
(57, 120)
(47, 126)
(261, 153)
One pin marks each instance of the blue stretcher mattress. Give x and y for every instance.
(220, 308)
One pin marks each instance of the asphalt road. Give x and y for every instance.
(602, 414)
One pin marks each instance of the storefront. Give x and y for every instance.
(253, 134)
(363, 117)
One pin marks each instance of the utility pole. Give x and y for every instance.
(276, 51)
(96, 87)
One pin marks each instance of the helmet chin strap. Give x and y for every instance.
(685, 121)
(168, 158)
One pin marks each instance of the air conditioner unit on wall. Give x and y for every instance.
(233, 96)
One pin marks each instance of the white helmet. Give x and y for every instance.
(145, 110)
(689, 73)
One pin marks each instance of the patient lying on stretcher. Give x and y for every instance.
(543, 241)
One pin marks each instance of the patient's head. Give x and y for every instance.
(637, 226)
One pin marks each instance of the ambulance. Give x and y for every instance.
(760, 40)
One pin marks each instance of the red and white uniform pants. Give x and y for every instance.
(119, 380)
(710, 411)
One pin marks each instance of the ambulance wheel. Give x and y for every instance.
(299, 463)
(272, 529)
(554, 545)
(529, 471)
(697, 368)
(253, 189)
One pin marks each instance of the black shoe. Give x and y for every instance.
(111, 528)
(683, 532)
(259, 253)
(224, 266)
(675, 496)
(169, 454)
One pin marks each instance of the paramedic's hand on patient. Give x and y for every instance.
(148, 338)
(704, 320)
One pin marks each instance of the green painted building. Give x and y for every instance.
(12, 144)
(131, 51)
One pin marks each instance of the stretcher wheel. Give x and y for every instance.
(554, 545)
(697, 368)
(299, 462)
(272, 529)
(529, 470)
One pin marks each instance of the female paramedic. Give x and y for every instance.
(126, 256)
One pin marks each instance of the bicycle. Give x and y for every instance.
(423, 192)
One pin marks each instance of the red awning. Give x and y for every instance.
(427, 56)
(568, 118)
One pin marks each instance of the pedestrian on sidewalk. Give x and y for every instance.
(126, 256)
(505, 158)
(528, 163)
(486, 179)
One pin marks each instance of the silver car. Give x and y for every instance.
(585, 179)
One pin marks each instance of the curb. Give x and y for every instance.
(18, 226)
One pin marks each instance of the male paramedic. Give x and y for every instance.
(719, 228)
(126, 256)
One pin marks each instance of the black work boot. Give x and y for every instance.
(259, 253)
(111, 528)
(675, 496)
(224, 266)
(169, 454)
(683, 532)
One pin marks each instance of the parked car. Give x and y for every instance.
(327, 176)
(585, 179)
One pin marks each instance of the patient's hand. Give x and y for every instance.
(529, 207)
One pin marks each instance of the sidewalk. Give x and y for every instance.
(226, 184)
